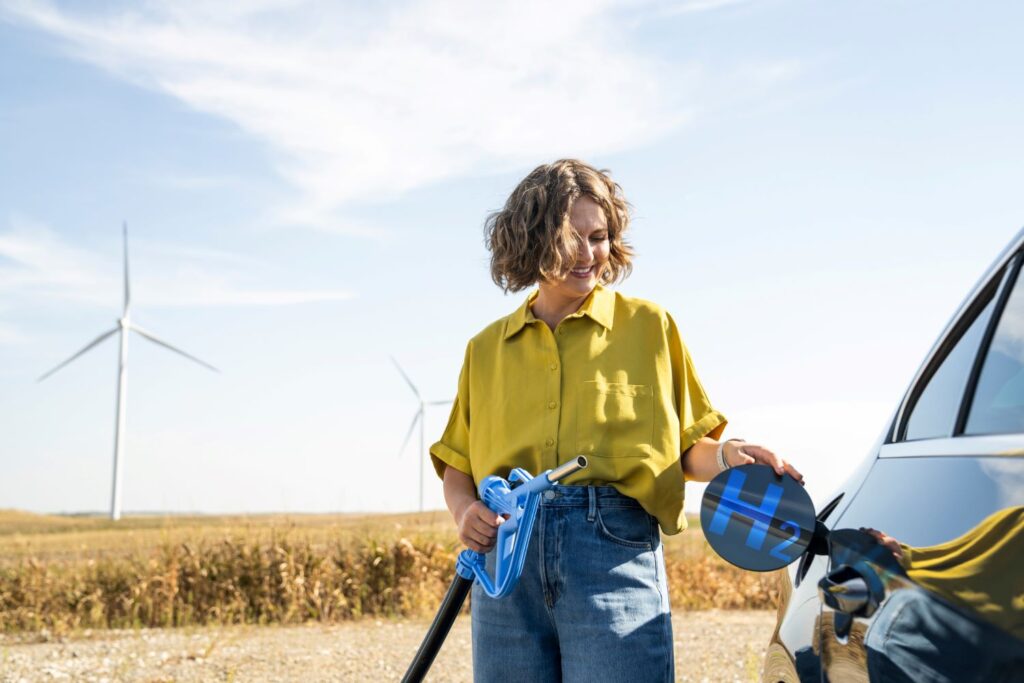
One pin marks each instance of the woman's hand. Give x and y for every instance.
(886, 540)
(738, 453)
(478, 526)
(476, 523)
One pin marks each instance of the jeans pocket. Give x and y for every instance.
(626, 526)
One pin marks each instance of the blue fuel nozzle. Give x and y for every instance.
(518, 499)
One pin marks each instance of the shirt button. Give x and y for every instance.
(552, 405)
(554, 366)
(550, 442)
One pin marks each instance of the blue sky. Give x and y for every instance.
(816, 187)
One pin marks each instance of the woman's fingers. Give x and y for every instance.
(886, 540)
(480, 527)
(473, 540)
(477, 541)
(766, 457)
(486, 515)
(487, 519)
(792, 471)
(483, 529)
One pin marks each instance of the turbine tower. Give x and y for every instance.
(418, 417)
(124, 324)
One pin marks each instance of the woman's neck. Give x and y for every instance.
(552, 308)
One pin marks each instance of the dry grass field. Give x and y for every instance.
(61, 574)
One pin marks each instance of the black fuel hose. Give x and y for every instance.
(450, 607)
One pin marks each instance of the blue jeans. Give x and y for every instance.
(917, 637)
(592, 602)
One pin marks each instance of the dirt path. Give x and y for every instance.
(710, 646)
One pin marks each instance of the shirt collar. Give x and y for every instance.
(599, 306)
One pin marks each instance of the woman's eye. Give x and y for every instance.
(598, 238)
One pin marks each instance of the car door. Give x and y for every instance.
(947, 493)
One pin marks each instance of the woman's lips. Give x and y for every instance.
(582, 274)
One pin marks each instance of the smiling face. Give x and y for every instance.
(589, 221)
(563, 215)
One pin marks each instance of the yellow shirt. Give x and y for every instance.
(613, 382)
(981, 570)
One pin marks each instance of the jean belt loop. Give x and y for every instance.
(591, 503)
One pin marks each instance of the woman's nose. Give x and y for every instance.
(586, 252)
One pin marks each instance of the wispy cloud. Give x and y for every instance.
(36, 262)
(694, 6)
(34, 259)
(366, 103)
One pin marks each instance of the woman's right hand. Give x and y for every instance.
(478, 526)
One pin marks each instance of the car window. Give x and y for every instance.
(935, 411)
(998, 403)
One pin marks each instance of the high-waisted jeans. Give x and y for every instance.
(592, 602)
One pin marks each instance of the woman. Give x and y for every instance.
(579, 369)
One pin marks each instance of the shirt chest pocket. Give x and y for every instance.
(615, 420)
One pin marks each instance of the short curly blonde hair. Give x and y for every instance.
(531, 238)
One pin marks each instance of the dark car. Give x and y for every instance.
(916, 572)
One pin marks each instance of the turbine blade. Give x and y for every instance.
(91, 344)
(406, 377)
(127, 290)
(151, 337)
(408, 434)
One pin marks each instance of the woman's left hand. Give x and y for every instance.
(738, 453)
(888, 541)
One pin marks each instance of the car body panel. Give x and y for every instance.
(922, 493)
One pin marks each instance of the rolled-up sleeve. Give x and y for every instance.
(453, 447)
(697, 418)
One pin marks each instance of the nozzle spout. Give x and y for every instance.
(564, 470)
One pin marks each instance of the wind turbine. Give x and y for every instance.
(123, 325)
(418, 417)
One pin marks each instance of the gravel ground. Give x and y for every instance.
(710, 646)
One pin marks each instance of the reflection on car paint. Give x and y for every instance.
(950, 612)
